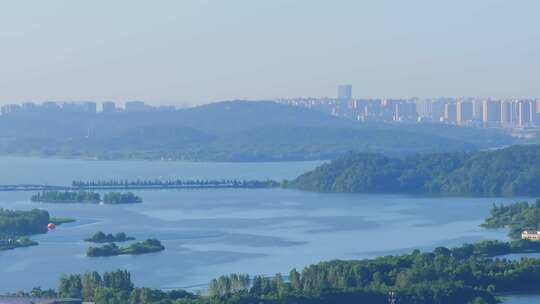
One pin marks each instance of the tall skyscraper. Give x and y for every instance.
(450, 113)
(478, 109)
(524, 113)
(405, 111)
(464, 112)
(344, 92)
(491, 112)
(108, 107)
(135, 106)
(507, 113)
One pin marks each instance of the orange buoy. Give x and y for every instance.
(51, 226)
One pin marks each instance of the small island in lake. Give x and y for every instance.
(100, 237)
(515, 217)
(121, 198)
(147, 246)
(90, 197)
(12, 242)
(66, 197)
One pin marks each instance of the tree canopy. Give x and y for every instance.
(513, 171)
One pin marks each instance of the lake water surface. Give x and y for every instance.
(208, 233)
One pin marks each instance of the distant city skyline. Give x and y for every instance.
(194, 52)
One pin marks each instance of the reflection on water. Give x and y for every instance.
(208, 233)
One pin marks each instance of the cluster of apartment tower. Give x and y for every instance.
(479, 112)
(81, 107)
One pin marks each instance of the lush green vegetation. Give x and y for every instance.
(16, 226)
(18, 223)
(121, 198)
(512, 171)
(66, 197)
(178, 183)
(515, 217)
(85, 197)
(228, 131)
(100, 237)
(146, 246)
(61, 220)
(466, 274)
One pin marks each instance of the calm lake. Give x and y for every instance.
(208, 233)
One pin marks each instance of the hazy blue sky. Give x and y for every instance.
(200, 51)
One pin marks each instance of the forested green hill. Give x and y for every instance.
(228, 131)
(512, 171)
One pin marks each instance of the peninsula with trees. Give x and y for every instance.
(515, 217)
(513, 171)
(16, 226)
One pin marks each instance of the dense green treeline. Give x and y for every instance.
(66, 197)
(157, 183)
(121, 198)
(16, 226)
(100, 237)
(515, 217)
(85, 197)
(512, 171)
(466, 274)
(142, 247)
(15, 222)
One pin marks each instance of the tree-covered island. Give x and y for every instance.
(11, 242)
(101, 237)
(90, 197)
(515, 217)
(66, 197)
(142, 247)
(468, 274)
(114, 198)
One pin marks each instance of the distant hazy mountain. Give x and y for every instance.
(227, 131)
(513, 171)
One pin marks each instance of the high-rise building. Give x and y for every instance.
(478, 109)
(491, 115)
(344, 92)
(79, 107)
(424, 108)
(537, 114)
(108, 107)
(166, 108)
(28, 107)
(90, 107)
(507, 113)
(50, 106)
(450, 113)
(135, 106)
(524, 113)
(438, 110)
(10, 108)
(464, 112)
(405, 111)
